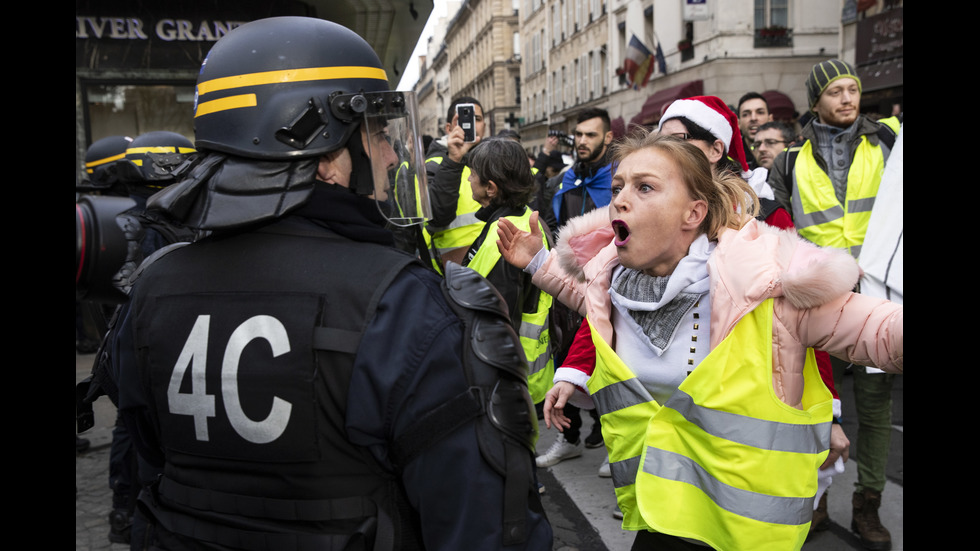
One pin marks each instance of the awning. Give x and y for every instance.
(780, 106)
(618, 127)
(883, 74)
(654, 105)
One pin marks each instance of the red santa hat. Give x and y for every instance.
(712, 114)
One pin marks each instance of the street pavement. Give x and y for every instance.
(579, 503)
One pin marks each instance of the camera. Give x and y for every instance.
(466, 119)
(101, 247)
(563, 138)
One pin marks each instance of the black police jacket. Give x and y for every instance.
(269, 373)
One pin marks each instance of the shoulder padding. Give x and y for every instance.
(467, 288)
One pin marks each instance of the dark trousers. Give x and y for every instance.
(573, 432)
(655, 541)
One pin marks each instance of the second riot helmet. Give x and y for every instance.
(102, 161)
(153, 157)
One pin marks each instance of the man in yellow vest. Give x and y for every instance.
(453, 226)
(829, 184)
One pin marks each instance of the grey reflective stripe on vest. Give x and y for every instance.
(614, 397)
(758, 433)
(465, 219)
(537, 365)
(624, 472)
(460, 221)
(761, 507)
(805, 219)
(533, 331)
(861, 205)
(621, 395)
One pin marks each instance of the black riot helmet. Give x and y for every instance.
(102, 161)
(265, 88)
(153, 157)
(288, 88)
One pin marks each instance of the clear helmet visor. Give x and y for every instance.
(394, 146)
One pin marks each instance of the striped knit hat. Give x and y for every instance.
(824, 73)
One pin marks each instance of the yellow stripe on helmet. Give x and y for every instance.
(290, 75)
(98, 162)
(160, 149)
(223, 104)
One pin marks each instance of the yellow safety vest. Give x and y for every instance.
(817, 214)
(466, 227)
(534, 332)
(723, 461)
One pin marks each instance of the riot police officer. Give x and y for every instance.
(150, 163)
(301, 382)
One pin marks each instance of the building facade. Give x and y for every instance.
(571, 55)
(136, 61)
(483, 53)
(432, 88)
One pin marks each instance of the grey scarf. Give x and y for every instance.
(659, 304)
(659, 323)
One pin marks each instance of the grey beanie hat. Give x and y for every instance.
(824, 73)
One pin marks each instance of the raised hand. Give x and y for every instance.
(455, 145)
(518, 247)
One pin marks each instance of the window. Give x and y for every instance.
(648, 27)
(686, 46)
(541, 46)
(623, 47)
(133, 109)
(531, 65)
(552, 90)
(771, 20)
(566, 19)
(597, 73)
(555, 25)
(771, 13)
(566, 94)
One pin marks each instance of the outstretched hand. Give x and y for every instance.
(554, 405)
(518, 247)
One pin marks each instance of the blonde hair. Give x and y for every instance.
(730, 200)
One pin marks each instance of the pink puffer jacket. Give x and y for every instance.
(813, 306)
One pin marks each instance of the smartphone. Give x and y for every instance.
(467, 120)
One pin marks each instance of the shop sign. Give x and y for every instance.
(135, 28)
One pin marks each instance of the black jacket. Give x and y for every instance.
(342, 418)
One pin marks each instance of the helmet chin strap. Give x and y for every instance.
(362, 175)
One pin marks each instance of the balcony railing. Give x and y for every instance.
(686, 48)
(773, 37)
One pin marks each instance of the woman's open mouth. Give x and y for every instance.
(622, 232)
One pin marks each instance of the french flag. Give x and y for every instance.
(639, 63)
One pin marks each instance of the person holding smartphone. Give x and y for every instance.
(454, 225)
